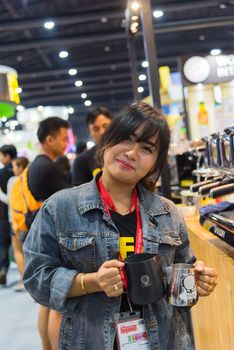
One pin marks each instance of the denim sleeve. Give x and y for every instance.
(45, 278)
(184, 253)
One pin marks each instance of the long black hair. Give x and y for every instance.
(125, 124)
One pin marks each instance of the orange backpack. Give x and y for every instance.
(24, 206)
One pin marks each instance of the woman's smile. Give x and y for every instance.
(124, 164)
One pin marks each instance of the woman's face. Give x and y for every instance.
(130, 161)
(17, 169)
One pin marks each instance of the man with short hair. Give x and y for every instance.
(85, 166)
(44, 179)
(7, 154)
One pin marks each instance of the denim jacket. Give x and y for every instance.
(72, 233)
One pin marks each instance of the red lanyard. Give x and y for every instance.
(108, 203)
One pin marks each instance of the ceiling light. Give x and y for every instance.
(202, 37)
(222, 6)
(78, 83)
(158, 13)
(49, 25)
(40, 108)
(107, 48)
(134, 18)
(135, 6)
(72, 71)
(104, 19)
(215, 52)
(19, 90)
(20, 108)
(70, 110)
(87, 103)
(4, 119)
(140, 89)
(145, 64)
(134, 27)
(83, 95)
(142, 77)
(63, 54)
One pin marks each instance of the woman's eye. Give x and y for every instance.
(147, 149)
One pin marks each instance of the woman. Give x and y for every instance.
(18, 166)
(76, 247)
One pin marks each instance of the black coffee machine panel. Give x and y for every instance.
(220, 157)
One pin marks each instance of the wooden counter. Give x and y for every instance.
(213, 316)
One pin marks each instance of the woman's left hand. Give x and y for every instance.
(206, 278)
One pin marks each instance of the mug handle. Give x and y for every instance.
(169, 271)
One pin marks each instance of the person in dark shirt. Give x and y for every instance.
(85, 166)
(7, 154)
(44, 179)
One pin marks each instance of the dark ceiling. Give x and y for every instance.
(93, 32)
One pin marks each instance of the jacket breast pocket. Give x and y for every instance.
(78, 252)
(168, 243)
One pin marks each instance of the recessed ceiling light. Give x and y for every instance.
(140, 89)
(70, 110)
(49, 25)
(222, 6)
(20, 108)
(83, 95)
(104, 19)
(63, 54)
(134, 18)
(72, 71)
(19, 90)
(215, 52)
(87, 103)
(107, 48)
(158, 13)
(135, 6)
(202, 37)
(142, 77)
(145, 64)
(78, 83)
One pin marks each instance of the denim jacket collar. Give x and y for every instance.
(89, 199)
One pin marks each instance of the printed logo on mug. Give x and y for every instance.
(181, 289)
(145, 281)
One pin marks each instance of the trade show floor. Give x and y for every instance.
(18, 316)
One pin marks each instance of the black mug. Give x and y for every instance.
(144, 278)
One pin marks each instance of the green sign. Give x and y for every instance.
(7, 110)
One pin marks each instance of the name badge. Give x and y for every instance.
(131, 332)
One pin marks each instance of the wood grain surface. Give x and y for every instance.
(213, 316)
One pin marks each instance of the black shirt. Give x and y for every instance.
(126, 225)
(5, 173)
(85, 167)
(45, 178)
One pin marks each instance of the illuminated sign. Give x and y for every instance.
(9, 85)
(207, 69)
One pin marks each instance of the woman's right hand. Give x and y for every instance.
(109, 278)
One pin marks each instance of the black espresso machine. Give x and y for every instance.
(219, 218)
